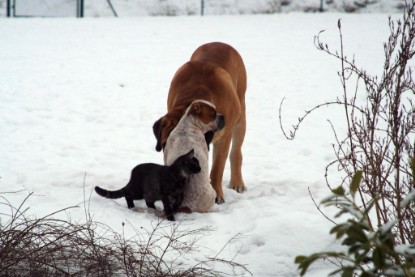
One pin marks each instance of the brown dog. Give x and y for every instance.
(215, 73)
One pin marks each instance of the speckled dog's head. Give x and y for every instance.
(205, 116)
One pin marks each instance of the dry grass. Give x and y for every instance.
(48, 246)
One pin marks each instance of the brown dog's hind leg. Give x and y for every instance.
(238, 135)
(220, 155)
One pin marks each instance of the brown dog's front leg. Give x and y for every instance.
(238, 135)
(220, 154)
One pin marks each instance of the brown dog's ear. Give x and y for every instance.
(157, 133)
(167, 125)
(162, 129)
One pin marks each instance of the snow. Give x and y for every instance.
(123, 8)
(78, 99)
(410, 197)
(405, 249)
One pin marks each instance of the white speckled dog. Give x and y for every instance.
(200, 117)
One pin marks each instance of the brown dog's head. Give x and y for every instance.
(203, 111)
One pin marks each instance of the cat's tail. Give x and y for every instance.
(111, 194)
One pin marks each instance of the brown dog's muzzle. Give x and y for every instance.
(220, 119)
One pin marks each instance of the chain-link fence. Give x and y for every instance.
(44, 8)
(99, 8)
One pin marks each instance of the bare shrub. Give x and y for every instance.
(48, 246)
(380, 136)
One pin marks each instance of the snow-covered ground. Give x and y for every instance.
(78, 99)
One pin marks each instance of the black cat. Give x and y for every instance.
(154, 182)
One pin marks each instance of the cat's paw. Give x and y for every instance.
(171, 218)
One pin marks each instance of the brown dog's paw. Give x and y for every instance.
(184, 210)
(238, 188)
(219, 200)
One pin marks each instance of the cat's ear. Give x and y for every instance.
(190, 154)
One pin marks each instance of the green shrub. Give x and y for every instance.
(369, 251)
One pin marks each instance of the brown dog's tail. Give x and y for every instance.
(111, 194)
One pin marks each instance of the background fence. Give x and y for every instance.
(99, 8)
(45, 8)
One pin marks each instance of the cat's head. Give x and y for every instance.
(189, 163)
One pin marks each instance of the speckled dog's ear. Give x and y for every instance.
(195, 109)
(203, 111)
